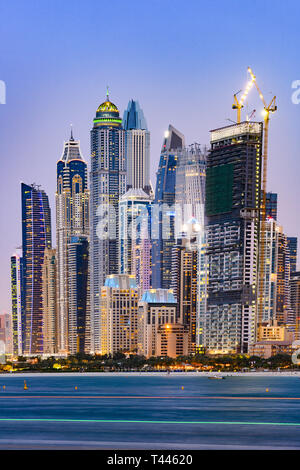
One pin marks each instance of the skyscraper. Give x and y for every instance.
(295, 301)
(283, 311)
(163, 237)
(270, 272)
(36, 236)
(185, 279)
(78, 275)
(292, 245)
(137, 144)
(17, 300)
(232, 209)
(135, 236)
(72, 219)
(189, 278)
(108, 183)
(190, 183)
(50, 317)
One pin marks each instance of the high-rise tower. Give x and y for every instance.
(78, 275)
(36, 236)
(135, 236)
(108, 183)
(283, 312)
(50, 323)
(188, 280)
(232, 210)
(72, 219)
(137, 143)
(163, 238)
(270, 268)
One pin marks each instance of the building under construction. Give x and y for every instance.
(232, 210)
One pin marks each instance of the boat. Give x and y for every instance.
(216, 377)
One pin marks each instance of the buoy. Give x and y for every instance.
(182, 388)
(76, 388)
(25, 385)
(3, 387)
(267, 389)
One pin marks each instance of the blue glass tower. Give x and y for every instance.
(36, 236)
(163, 215)
(271, 205)
(78, 254)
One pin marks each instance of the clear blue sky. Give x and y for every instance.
(182, 60)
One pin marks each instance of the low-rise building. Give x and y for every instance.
(119, 314)
(274, 333)
(266, 349)
(159, 334)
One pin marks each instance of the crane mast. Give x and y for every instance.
(238, 105)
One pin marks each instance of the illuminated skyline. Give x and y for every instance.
(187, 77)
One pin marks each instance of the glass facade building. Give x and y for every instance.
(135, 236)
(283, 311)
(36, 237)
(271, 205)
(78, 274)
(164, 216)
(295, 301)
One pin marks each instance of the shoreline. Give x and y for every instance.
(153, 374)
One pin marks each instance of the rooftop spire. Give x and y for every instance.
(107, 93)
(72, 138)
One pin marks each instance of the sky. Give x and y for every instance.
(181, 59)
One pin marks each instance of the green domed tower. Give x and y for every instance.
(107, 114)
(107, 184)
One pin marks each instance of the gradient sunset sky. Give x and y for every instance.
(182, 60)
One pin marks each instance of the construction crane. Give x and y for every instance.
(238, 105)
(268, 108)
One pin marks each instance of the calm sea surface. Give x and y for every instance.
(152, 412)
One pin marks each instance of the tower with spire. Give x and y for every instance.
(107, 183)
(137, 141)
(72, 220)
